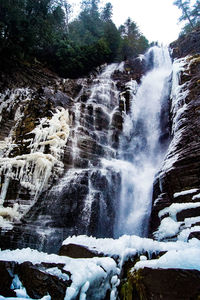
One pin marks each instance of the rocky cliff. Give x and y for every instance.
(55, 137)
(176, 207)
(54, 134)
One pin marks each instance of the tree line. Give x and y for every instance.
(42, 30)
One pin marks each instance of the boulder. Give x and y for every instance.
(165, 284)
(39, 282)
(195, 234)
(78, 251)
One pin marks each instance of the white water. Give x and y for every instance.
(141, 153)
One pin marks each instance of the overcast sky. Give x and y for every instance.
(156, 19)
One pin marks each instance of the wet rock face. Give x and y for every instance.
(80, 195)
(178, 182)
(134, 69)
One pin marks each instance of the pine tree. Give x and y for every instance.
(186, 11)
(106, 14)
(195, 13)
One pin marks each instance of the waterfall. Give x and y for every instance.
(110, 147)
(141, 152)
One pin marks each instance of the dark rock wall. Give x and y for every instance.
(178, 181)
(187, 44)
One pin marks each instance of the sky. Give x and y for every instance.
(156, 19)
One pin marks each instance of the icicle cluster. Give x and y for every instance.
(12, 97)
(179, 93)
(33, 170)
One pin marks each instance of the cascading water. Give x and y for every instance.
(141, 152)
(106, 188)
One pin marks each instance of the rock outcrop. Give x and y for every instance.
(187, 44)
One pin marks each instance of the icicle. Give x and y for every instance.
(34, 170)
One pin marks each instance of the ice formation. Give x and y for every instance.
(11, 98)
(33, 170)
(178, 94)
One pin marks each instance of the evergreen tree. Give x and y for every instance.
(132, 41)
(106, 13)
(68, 12)
(195, 13)
(42, 29)
(185, 7)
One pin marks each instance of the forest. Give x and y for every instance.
(40, 30)
(44, 31)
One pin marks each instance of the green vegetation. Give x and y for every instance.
(41, 29)
(190, 14)
(133, 286)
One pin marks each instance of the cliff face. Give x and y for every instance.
(54, 140)
(176, 207)
(54, 134)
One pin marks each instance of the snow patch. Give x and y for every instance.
(195, 197)
(168, 228)
(174, 208)
(99, 273)
(183, 236)
(186, 192)
(182, 258)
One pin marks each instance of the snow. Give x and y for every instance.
(57, 272)
(126, 246)
(174, 208)
(182, 258)
(92, 277)
(195, 197)
(186, 192)
(99, 273)
(168, 228)
(178, 107)
(183, 236)
(190, 221)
